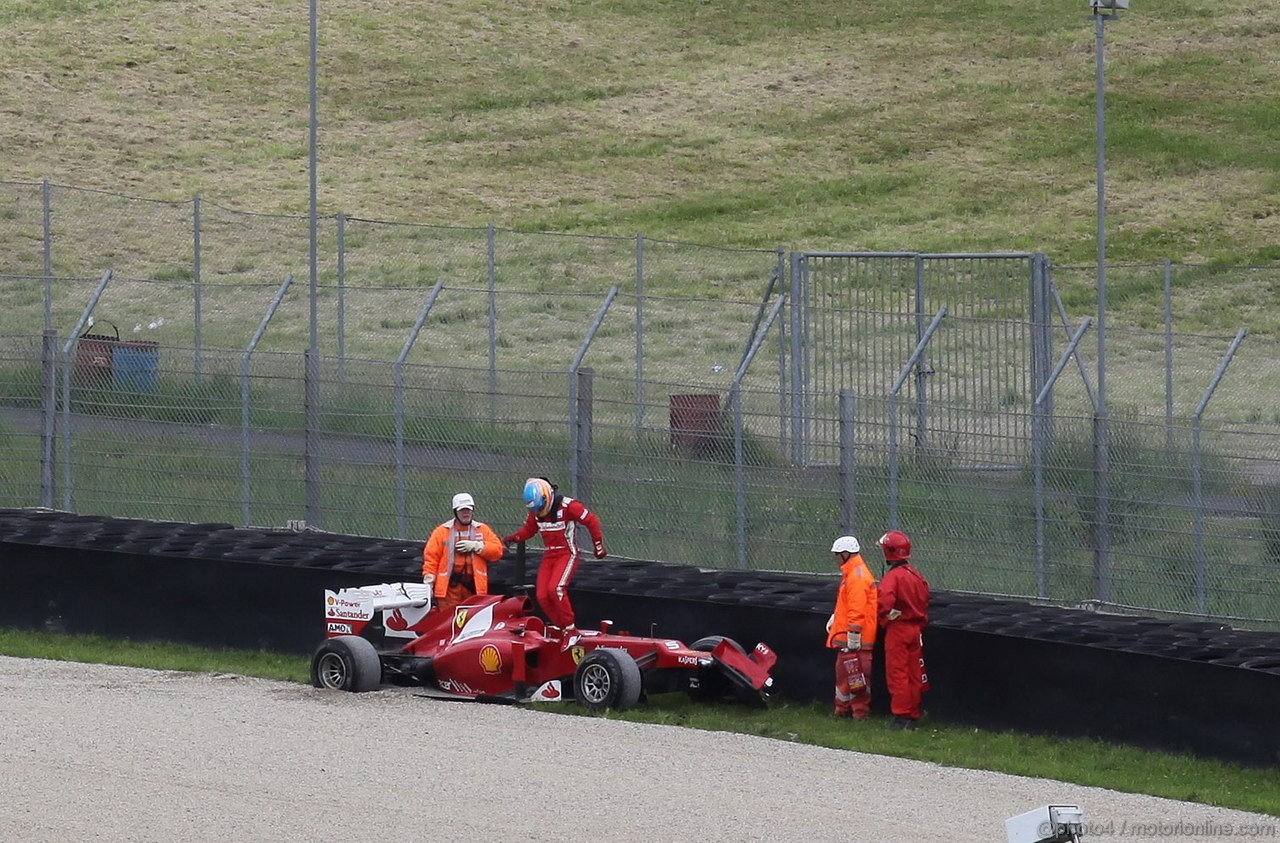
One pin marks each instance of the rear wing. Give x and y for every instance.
(348, 610)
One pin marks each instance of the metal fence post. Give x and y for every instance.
(48, 413)
(848, 464)
(398, 374)
(1168, 355)
(311, 459)
(1197, 468)
(66, 430)
(582, 440)
(244, 399)
(912, 361)
(342, 296)
(781, 268)
(195, 280)
(639, 334)
(921, 374)
(799, 381)
(1040, 414)
(66, 385)
(1101, 504)
(739, 477)
(491, 248)
(735, 400)
(47, 237)
(1041, 327)
(576, 432)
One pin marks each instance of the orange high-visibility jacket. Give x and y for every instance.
(855, 603)
(440, 558)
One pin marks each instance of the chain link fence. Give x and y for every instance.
(794, 396)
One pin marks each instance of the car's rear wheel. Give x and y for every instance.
(346, 663)
(607, 678)
(712, 684)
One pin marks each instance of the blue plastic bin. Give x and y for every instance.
(135, 365)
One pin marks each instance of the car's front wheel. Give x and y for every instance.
(607, 678)
(711, 684)
(346, 663)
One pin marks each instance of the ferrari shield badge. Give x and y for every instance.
(460, 618)
(577, 653)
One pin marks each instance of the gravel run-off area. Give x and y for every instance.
(101, 753)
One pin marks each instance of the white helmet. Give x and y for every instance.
(463, 501)
(846, 544)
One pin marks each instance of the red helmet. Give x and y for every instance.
(896, 546)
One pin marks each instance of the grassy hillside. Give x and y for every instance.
(918, 125)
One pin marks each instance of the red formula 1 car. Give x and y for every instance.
(494, 649)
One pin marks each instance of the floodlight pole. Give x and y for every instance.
(313, 346)
(1099, 25)
(311, 458)
(1101, 433)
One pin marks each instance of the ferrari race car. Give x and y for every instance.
(494, 649)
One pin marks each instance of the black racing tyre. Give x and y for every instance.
(712, 683)
(607, 678)
(710, 642)
(346, 663)
(1271, 664)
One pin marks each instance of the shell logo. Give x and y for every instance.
(460, 619)
(490, 659)
(330, 600)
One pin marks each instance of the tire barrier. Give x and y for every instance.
(1177, 685)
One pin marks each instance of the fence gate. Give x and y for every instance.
(857, 316)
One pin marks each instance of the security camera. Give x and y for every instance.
(1048, 824)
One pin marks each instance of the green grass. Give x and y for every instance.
(159, 655)
(1083, 762)
(940, 127)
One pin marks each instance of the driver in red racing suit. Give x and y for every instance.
(556, 517)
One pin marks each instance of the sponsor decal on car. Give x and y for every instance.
(457, 686)
(548, 692)
(352, 614)
(577, 653)
(340, 628)
(340, 607)
(399, 623)
(691, 661)
(460, 618)
(476, 623)
(490, 659)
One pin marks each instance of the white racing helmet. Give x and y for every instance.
(462, 500)
(846, 544)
